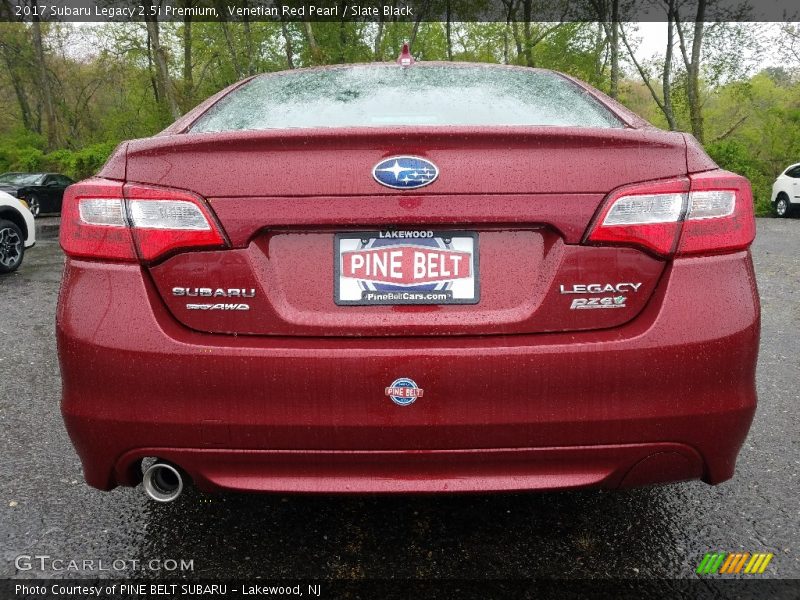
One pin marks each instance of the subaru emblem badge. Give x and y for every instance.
(405, 172)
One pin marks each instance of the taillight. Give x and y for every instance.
(720, 217)
(643, 215)
(93, 221)
(111, 220)
(708, 212)
(164, 221)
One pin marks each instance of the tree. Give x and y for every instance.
(789, 41)
(316, 55)
(448, 34)
(511, 16)
(15, 53)
(121, 88)
(614, 35)
(287, 43)
(664, 100)
(607, 12)
(692, 62)
(44, 83)
(188, 66)
(163, 82)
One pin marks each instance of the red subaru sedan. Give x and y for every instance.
(408, 278)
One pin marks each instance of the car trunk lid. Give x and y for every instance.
(526, 196)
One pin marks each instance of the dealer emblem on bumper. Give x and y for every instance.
(404, 391)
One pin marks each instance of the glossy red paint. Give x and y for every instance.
(405, 59)
(522, 271)
(472, 161)
(521, 391)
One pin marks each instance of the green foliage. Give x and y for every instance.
(27, 159)
(23, 152)
(735, 156)
(343, 42)
(755, 129)
(79, 164)
(752, 124)
(570, 49)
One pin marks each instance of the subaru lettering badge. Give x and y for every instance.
(405, 172)
(404, 391)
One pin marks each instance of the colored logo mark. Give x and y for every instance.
(405, 172)
(734, 563)
(404, 391)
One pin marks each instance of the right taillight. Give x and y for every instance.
(720, 217)
(705, 213)
(110, 220)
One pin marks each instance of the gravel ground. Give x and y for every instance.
(45, 507)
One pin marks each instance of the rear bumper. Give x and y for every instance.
(425, 471)
(667, 397)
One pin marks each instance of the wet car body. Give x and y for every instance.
(599, 328)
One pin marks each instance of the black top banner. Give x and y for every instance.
(413, 11)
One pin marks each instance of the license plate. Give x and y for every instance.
(406, 267)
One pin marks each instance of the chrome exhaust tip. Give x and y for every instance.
(162, 482)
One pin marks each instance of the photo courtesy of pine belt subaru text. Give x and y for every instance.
(331, 280)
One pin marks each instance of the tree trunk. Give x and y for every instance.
(517, 40)
(644, 74)
(614, 92)
(526, 30)
(599, 47)
(237, 68)
(415, 30)
(226, 33)
(17, 83)
(692, 63)
(448, 30)
(666, 76)
(506, 42)
(43, 82)
(248, 44)
(163, 81)
(287, 37)
(695, 110)
(22, 100)
(287, 41)
(343, 41)
(188, 78)
(313, 46)
(509, 29)
(153, 82)
(377, 53)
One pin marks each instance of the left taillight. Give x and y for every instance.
(109, 220)
(93, 222)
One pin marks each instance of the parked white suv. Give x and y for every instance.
(786, 191)
(17, 232)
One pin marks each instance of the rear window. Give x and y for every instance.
(381, 96)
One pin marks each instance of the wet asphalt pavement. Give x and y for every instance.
(46, 509)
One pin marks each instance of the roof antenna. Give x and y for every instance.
(405, 59)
